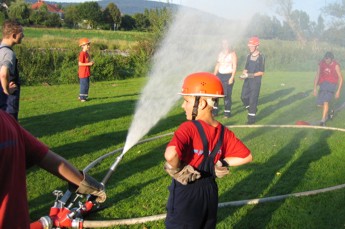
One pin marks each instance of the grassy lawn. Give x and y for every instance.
(286, 160)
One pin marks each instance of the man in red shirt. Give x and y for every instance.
(20, 150)
(200, 150)
(330, 81)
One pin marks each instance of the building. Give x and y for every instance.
(52, 8)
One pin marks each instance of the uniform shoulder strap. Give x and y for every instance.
(207, 164)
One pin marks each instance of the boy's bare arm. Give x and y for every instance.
(171, 156)
(236, 161)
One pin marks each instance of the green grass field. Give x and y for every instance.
(67, 38)
(286, 160)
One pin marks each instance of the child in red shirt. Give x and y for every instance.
(84, 69)
(201, 150)
(330, 81)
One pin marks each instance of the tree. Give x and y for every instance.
(127, 22)
(158, 18)
(267, 28)
(337, 12)
(71, 16)
(52, 20)
(142, 23)
(284, 8)
(19, 10)
(113, 15)
(90, 13)
(38, 17)
(319, 28)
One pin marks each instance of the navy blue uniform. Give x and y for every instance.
(251, 86)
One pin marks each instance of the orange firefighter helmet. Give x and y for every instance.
(84, 41)
(202, 84)
(253, 41)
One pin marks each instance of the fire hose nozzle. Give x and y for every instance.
(46, 222)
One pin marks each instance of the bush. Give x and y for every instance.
(60, 66)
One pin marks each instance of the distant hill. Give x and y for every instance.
(126, 6)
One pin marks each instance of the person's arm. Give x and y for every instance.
(340, 81)
(182, 173)
(316, 81)
(237, 161)
(85, 64)
(171, 156)
(79, 182)
(61, 168)
(234, 67)
(7, 87)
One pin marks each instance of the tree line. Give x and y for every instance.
(293, 25)
(89, 15)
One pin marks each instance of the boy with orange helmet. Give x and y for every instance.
(252, 74)
(200, 150)
(84, 69)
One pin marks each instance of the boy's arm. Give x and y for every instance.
(7, 87)
(86, 64)
(81, 182)
(236, 161)
(316, 80)
(61, 168)
(180, 172)
(171, 157)
(340, 81)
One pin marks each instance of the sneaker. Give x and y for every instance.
(227, 115)
(322, 123)
(82, 100)
(331, 115)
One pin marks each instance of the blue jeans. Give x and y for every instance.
(84, 88)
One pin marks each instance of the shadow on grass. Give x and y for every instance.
(281, 103)
(260, 183)
(49, 124)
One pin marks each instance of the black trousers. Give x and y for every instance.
(192, 206)
(250, 94)
(227, 92)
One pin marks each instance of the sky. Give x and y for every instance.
(311, 7)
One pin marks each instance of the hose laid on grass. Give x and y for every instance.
(109, 223)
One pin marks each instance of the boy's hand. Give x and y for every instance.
(244, 76)
(12, 87)
(91, 186)
(183, 175)
(220, 169)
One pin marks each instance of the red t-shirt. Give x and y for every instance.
(18, 149)
(84, 71)
(328, 72)
(189, 145)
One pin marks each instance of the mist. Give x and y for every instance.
(191, 44)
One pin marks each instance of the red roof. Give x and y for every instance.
(51, 8)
